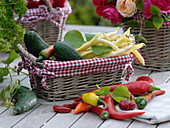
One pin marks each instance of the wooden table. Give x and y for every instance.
(43, 115)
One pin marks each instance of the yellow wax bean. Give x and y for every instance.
(138, 55)
(88, 44)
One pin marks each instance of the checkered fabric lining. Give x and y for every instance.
(35, 14)
(76, 67)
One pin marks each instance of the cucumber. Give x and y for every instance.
(25, 100)
(34, 43)
(63, 52)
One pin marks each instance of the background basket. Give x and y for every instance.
(48, 22)
(69, 87)
(47, 31)
(157, 50)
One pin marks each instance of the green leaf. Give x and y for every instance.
(154, 10)
(74, 38)
(101, 49)
(120, 93)
(158, 21)
(2, 94)
(149, 24)
(6, 71)
(132, 23)
(1, 78)
(140, 5)
(89, 36)
(12, 56)
(103, 91)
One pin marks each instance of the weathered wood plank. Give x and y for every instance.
(62, 120)
(88, 120)
(112, 123)
(137, 124)
(8, 119)
(160, 77)
(37, 118)
(2, 108)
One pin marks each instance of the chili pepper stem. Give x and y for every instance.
(152, 88)
(104, 103)
(105, 115)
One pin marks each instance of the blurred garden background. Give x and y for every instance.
(84, 13)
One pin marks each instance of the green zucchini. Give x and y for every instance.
(63, 52)
(34, 43)
(25, 100)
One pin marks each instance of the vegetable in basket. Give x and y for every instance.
(46, 53)
(34, 43)
(63, 52)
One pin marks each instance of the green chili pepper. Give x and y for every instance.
(141, 102)
(92, 99)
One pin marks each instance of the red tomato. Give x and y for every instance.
(145, 78)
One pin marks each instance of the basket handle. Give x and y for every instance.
(27, 54)
(51, 9)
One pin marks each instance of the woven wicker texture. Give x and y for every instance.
(62, 88)
(48, 32)
(157, 50)
(72, 87)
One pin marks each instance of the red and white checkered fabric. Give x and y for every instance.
(56, 69)
(166, 24)
(35, 14)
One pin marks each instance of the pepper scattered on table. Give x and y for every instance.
(92, 99)
(116, 114)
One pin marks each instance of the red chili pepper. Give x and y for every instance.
(100, 111)
(151, 95)
(116, 114)
(72, 105)
(61, 109)
(145, 78)
(127, 105)
(136, 87)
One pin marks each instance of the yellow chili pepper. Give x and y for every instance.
(92, 99)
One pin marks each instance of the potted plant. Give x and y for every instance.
(149, 21)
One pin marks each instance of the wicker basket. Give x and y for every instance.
(70, 87)
(157, 50)
(50, 30)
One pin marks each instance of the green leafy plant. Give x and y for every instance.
(118, 93)
(11, 34)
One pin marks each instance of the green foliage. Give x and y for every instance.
(4, 71)
(84, 13)
(74, 38)
(11, 33)
(140, 5)
(98, 49)
(7, 93)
